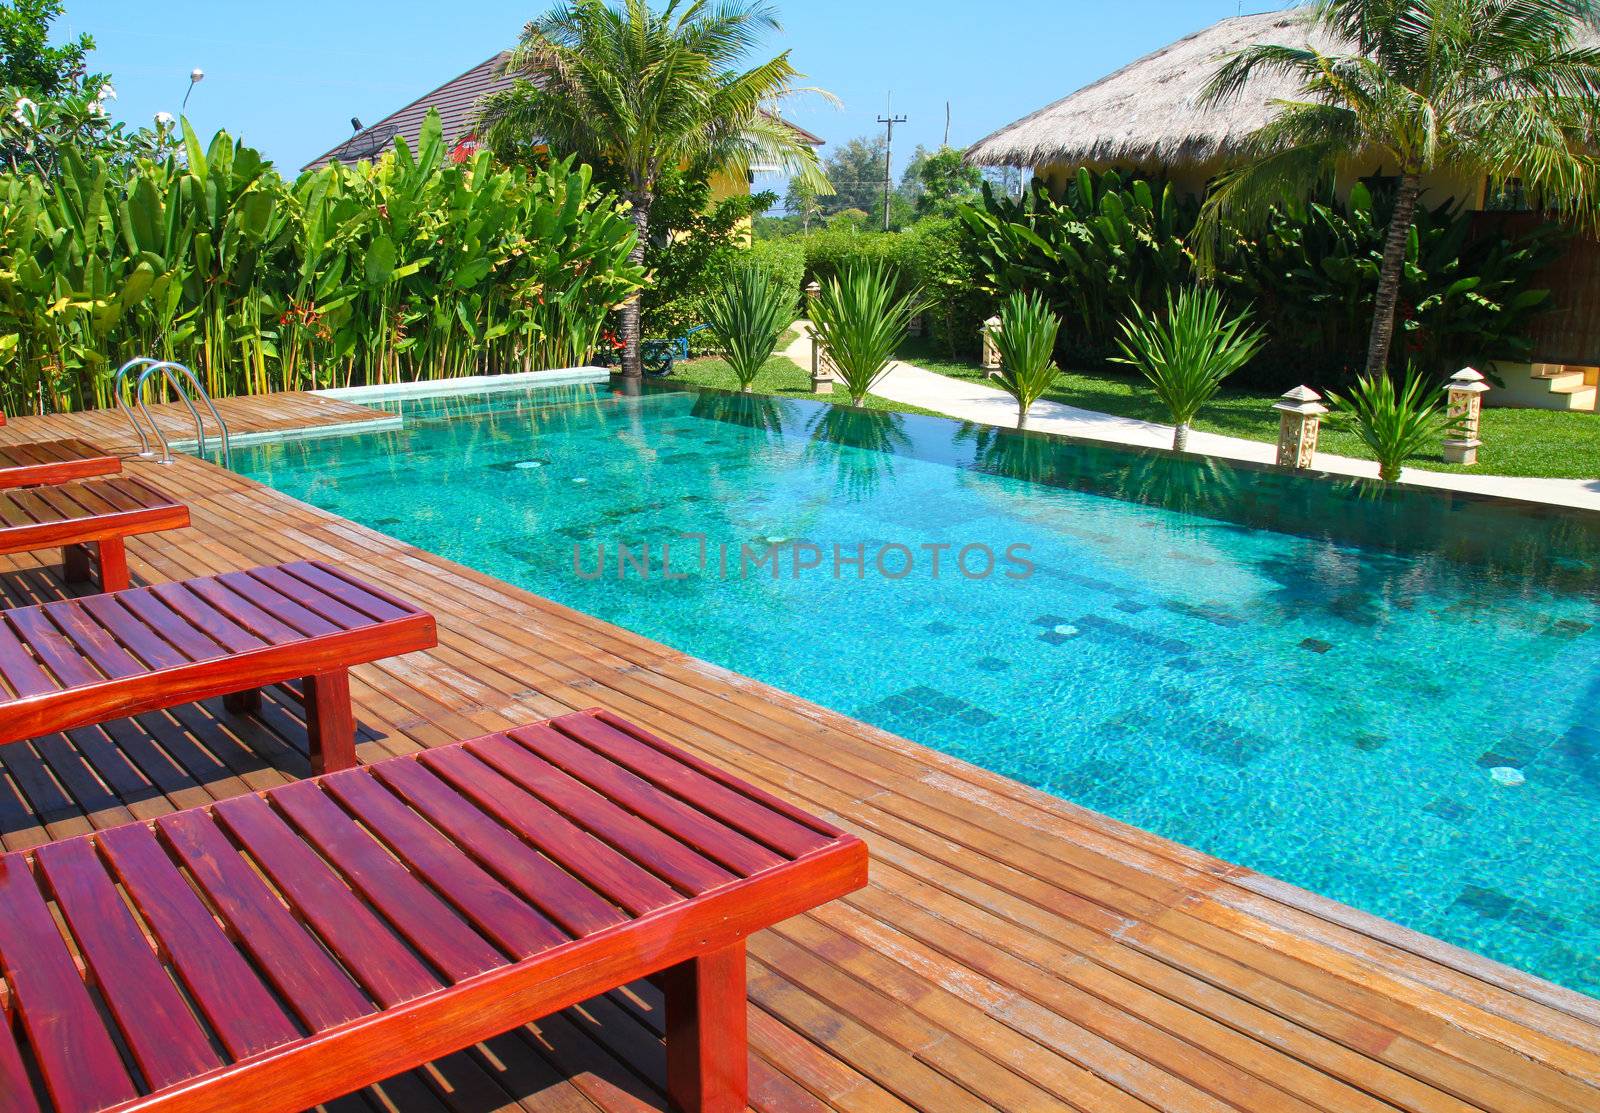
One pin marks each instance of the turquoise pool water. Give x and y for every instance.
(1391, 699)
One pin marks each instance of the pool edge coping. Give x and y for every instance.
(471, 384)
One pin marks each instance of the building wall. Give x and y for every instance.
(725, 184)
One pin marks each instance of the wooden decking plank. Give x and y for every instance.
(1269, 1045)
(1010, 1072)
(830, 1024)
(942, 824)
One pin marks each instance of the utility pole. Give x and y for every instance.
(946, 142)
(888, 122)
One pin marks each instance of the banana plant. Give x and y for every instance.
(418, 266)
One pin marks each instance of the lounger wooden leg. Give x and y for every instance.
(75, 563)
(113, 564)
(707, 1038)
(330, 721)
(247, 702)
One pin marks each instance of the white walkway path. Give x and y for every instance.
(915, 386)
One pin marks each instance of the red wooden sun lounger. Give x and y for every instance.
(77, 662)
(364, 923)
(29, 465)
(102, 512)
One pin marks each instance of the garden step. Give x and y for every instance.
(1570, 383)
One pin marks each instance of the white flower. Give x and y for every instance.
(25, 112)
(165, 119)
(107, 92)
(96, 108)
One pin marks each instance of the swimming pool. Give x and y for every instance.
(1392, 699)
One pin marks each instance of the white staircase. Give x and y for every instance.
(1566, 388)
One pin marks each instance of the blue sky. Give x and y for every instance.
(288, 76)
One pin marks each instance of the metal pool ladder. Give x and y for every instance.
(176, 376)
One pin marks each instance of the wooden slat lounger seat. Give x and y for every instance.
(29, 465)
(76, 662)
(319, 937)
(73, 516)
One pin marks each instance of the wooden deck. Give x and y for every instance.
(1013, 951)
(275, 413)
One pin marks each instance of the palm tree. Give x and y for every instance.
(1468, 89)
(643, 93)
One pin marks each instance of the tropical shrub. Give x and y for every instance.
(832, 251)
(861, 319)
(1469, 291)
(1108, 247)
(747, 313)
(937, 253)
(785, 260)
(417, 267)
(1396, 423)
(1188, 353)
(1027, 343)
(932, 256)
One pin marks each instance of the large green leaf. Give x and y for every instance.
(381, 256)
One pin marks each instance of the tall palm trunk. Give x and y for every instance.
(632, 365)
(1394, 261)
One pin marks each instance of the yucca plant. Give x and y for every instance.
(1027, 343)
(861, 321)
(746, 315)
(1395, 423)
(1187, 353)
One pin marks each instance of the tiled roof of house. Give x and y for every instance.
(457, 102)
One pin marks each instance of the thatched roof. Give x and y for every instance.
(1149, 113)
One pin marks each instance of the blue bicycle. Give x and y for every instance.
(657, 355)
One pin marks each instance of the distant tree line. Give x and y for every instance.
(933, 183)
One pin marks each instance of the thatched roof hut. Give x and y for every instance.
(1149, 113)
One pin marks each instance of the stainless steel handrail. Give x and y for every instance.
(167, 369)
(222, 426)
(122, 401)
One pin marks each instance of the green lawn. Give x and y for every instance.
(1544, 444)
(779, 377)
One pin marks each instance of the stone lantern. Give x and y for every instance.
(821, 369)
(1299, 420)
(991, 348)
(1465, 390)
